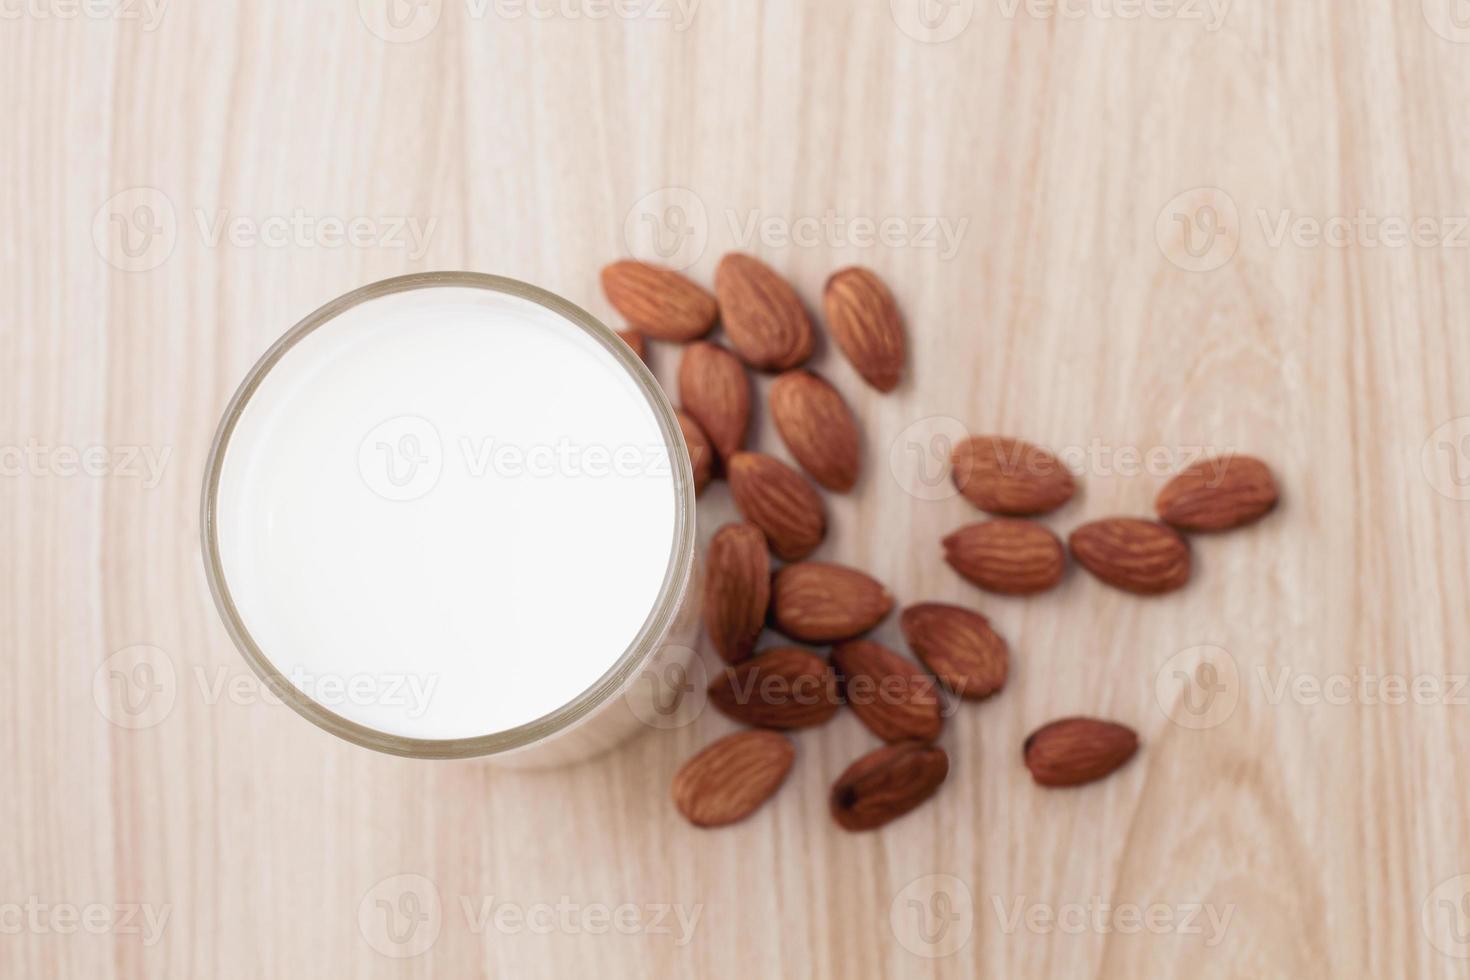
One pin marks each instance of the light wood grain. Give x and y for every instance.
(1324, 829)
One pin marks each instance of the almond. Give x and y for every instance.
(1007, 555)
(887, 783)
(1077, 750)
(865, 322)
(715, 390)
(1218, 494)
(635, 340)
(737, 589)
(819, 602)
(818, 428)
(783, 687)
(779, 501)
(893, 696)
(701, 453)
(731, 778)
(763, 317)
(959, 645)
(658, 301)
(1007, 476)
(1133, 554)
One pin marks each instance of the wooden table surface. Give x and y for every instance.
(1126, 231)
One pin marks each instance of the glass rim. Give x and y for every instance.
(643, 646)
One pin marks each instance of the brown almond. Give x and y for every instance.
(780, 501)
(729, 780)
(864, 321)
(658, 301)
(701, 453)
(818, 428)
(1007, 476)
(635, 340)
(820, 602)
(968, 656)
(887, 783)
(1007, 555)
(737, 590)
(715, 390)
(763, 316)
(1073, 751)
(893, 696)
(1218, 494)
(1133, 554)
(783, 687)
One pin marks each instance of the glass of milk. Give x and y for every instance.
(451, 515)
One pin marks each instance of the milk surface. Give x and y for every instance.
(446, 513)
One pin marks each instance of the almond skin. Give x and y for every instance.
(658, 301)
(890, 694)
(959, 645)
(783, 687)
(818, 428)
(1133, 554)
(780, 501)
(729, 780)
(819, 602)
(1218, 494)
(1007, 476)
(737, 590)
(1007, 555)
(715, 390)
(1073, 751)
(701, 453)
(864, 321)
(763, 316)
(887, 783)
(635, 340)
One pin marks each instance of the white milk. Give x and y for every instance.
(446, 513)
